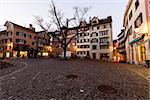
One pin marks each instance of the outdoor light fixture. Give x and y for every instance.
(136, 30)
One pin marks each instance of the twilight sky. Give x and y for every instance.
(22, 11)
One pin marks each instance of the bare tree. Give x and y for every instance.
(62, 24)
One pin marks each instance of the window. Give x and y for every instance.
(94, 34)
(25, 42)
(129, 32)
(104, 26)
(92, 28)
(97, 27)
(87, 46)
(6, 41)
(20, 41)
(104, 40)
(94, 40)
(138, 21)
(84, 40)
(94, 21)
(130, 15)
(87, 34)
(103, 33)
(33, 43)
(136, 4)
(94, 47)
(10, 40)
(9, 33)
(17, 33)
(104, 46)
(24, 35)
(84, 46)
(30, 36)
(20, 34)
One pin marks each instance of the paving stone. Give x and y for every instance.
(45, 79)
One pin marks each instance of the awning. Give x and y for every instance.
(137, 39)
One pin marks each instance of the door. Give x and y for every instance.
(94, 55)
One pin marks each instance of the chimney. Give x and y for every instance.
(31, 27)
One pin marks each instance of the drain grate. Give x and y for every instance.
(107, 89)
(72, 76)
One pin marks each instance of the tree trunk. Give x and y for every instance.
(65, 50)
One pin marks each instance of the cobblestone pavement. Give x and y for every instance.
(45, 79)
(16, 66)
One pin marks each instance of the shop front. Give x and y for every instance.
(140, 50)
(21, 51)
(137, 52)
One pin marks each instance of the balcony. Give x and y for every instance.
(20, 42)
(2, 37)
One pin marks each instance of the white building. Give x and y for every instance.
(137, 31)
(95, 39)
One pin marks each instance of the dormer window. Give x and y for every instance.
(94, 21)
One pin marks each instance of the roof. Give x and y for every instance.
(101, 21)
(19, 26)
(4, 31)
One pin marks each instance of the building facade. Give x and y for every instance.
(17, 41)
(121, 46)
(116, 55)
(70, 38)
(44, 44)
(137, 31)
(94, 39)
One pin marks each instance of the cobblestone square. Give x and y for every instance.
(56, 79)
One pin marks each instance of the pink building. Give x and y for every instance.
(17, 41)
